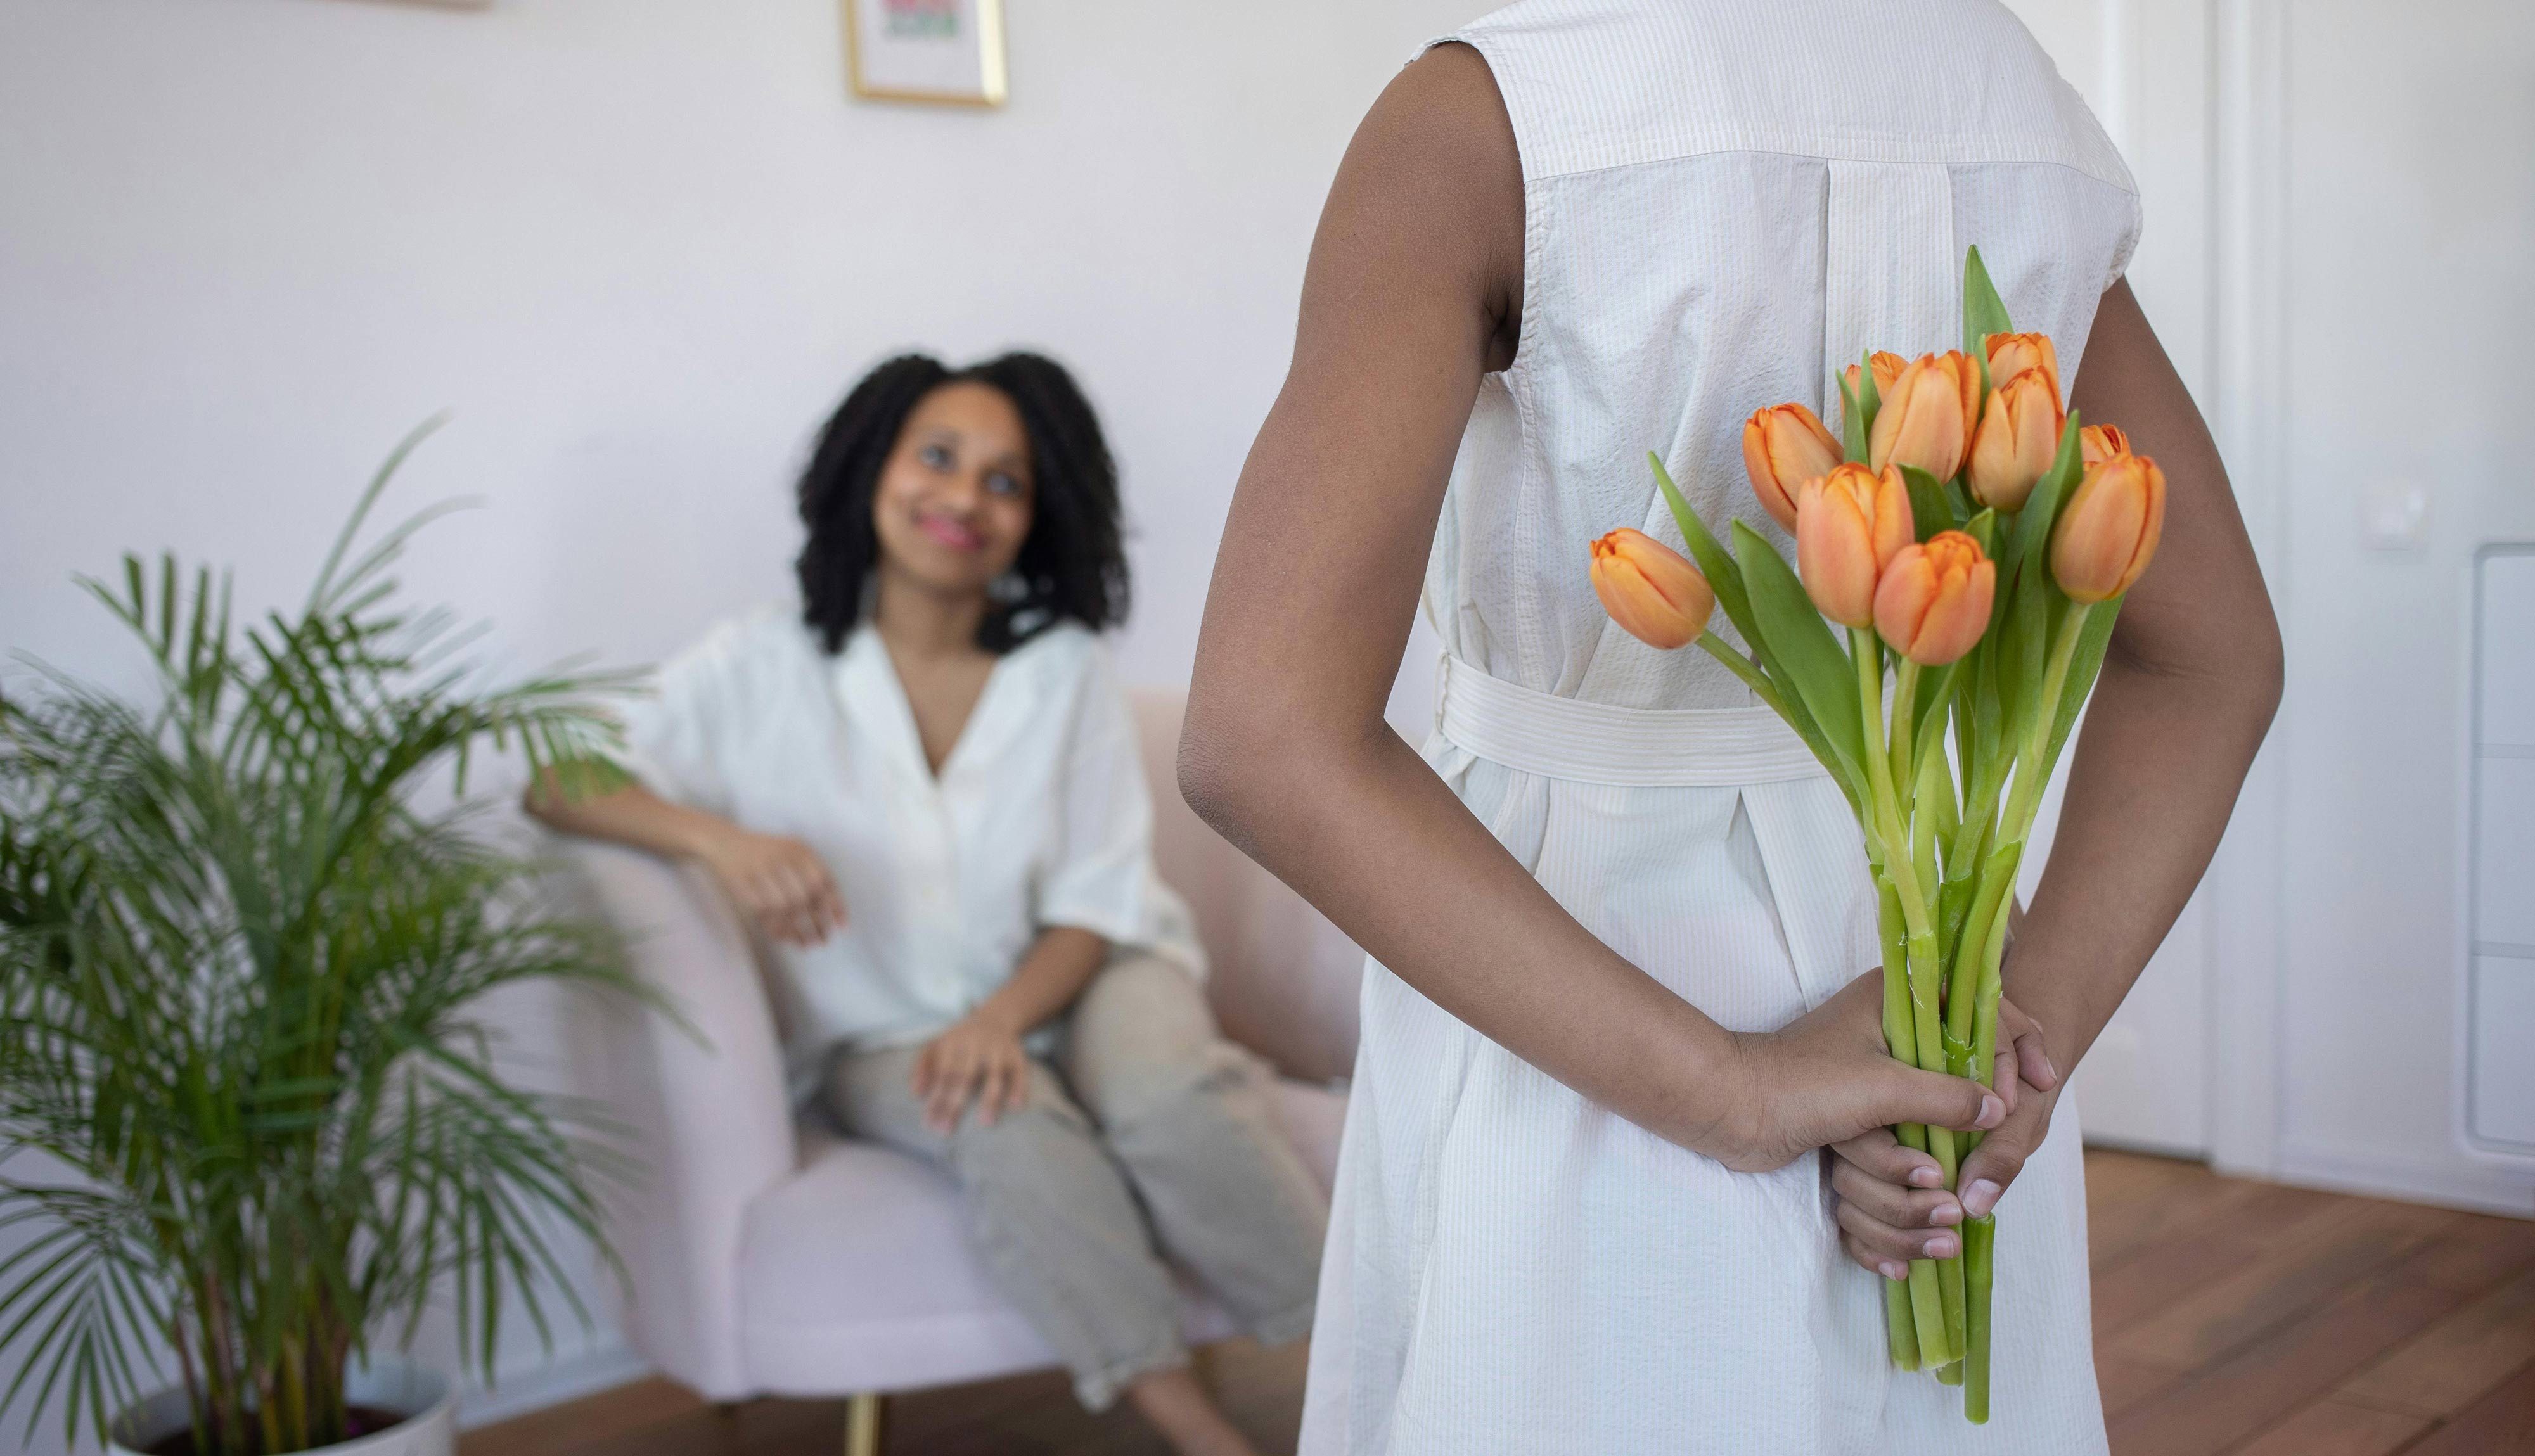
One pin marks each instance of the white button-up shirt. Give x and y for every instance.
(1039, 817)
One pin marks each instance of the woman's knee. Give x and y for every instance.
(1141, 1036)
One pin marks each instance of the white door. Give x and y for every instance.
(2143, 65)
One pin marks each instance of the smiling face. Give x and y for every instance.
(952, 504)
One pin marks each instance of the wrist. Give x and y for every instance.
(1715, 1102)
(991, 1015)
(708, 837)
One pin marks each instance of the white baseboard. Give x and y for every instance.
(2414, 1180)
(610, 1363)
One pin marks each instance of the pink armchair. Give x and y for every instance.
(768, 1256)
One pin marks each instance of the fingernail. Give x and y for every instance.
(1941, 1247)
(1993, 1111)
(1926, 1178)
(1896, 1270)
(2049, 1068)
(1946, 1213)
(1981, 1197)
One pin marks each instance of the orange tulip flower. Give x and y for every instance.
(1927, 416)
(1932, 603)
(2097, 444)
(1650, 589)
(2010, 355)
(2019, 438)
(1850, 525)
(2108, 530)
(1784, 447)
(1887, 368)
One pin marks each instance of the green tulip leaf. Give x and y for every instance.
(1870, 401)
(1814, 664)
(1984, 312)
(1928, 715)
(1852, 419)
(1725, 578)
(2033, 523)
(2093, 638)
(1930, 511)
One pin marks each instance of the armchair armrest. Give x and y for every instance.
(706, 1101)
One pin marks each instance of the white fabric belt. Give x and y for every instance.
(1596, 743)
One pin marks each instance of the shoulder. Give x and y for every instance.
(757, 649)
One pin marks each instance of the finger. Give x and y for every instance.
(958, 1088)
(2033, 1060)
(2023, 1036)
(2002, 1079)
(1897, 1243)
(994, 1090)
(1882, 1156)
(1992, 1168)
(1021, 1090)
(1872, 1262)
(1892, 1205)
(1906, 1094)
(831, 901)
(920, 1080)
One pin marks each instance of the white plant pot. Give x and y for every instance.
(426, 1399)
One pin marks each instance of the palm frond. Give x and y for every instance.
(237, 968)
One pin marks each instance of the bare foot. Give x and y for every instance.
(1186, 1416)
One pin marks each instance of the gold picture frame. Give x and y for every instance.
(937, 52)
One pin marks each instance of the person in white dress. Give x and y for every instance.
(1614, 1178)
(922, 782)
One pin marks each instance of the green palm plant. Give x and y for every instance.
(237, 960)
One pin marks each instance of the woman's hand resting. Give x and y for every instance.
(781, 883)
(979, 1059)
(1893, 1206)
(1825, 1078)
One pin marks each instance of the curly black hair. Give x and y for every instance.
(1073, 567)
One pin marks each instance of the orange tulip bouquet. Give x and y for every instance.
(1973, 540)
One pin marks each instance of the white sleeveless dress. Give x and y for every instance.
(1724, 202)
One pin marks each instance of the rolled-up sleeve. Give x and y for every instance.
(676, 731)
(1100, 875)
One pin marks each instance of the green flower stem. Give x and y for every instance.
(1901, 1329)
(1745, 668)
(1925, 1302)
(1978, 982)
(1980, 1246)
(1892, 852)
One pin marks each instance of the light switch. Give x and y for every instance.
(2394, 515)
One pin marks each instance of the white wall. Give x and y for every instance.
(2340, 215)
(639, 247)
(2408, 310)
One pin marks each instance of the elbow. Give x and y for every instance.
(1208, 775)
(2267, 672)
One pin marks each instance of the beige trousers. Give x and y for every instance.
(1147, 1135)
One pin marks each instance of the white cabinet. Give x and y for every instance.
(2500, 1010)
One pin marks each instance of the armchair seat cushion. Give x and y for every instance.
(860, 1262)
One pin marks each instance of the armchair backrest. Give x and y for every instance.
(1283, 979)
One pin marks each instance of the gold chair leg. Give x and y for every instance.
(862, 1426)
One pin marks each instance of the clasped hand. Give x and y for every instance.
(1828, 1080)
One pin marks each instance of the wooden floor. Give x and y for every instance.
(2230, 1317)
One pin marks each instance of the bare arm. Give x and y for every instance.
(1058, 965)
(781, 883)
(1414, 289)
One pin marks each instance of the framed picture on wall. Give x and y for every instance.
(946, 52)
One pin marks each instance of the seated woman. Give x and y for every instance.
(924, 787)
